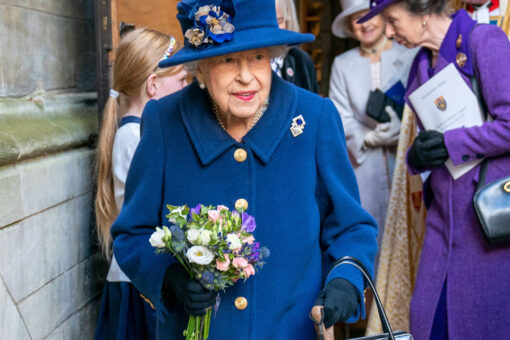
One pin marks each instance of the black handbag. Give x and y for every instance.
(491, 201)
(492, 206)
(317, 313)
(376, 106)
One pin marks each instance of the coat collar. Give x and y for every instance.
(421, 71)
(210, 140)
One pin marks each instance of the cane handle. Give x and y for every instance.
(317, 315)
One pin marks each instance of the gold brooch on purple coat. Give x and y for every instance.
(461, 59)
(298, 125)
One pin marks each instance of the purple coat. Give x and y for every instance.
(477, 275)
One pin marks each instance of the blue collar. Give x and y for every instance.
(129, 119)
(210, 140)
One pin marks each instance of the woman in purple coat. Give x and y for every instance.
(461, 290)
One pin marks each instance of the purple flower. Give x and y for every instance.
(254, 257)
(195, 210)
(248, 223)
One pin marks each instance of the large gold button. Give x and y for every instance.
(242, 204)
(241, 303)
(240, 155)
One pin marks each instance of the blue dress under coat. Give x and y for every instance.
(301, 190)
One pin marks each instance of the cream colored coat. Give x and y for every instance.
(350, 85)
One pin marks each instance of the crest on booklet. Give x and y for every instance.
(440, 103)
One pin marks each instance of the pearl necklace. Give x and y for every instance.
(260, 112)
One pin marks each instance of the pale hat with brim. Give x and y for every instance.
(217, 27)
(340, 25)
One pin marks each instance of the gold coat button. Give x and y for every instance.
(240, 155)
(241, 204)
(241, 303)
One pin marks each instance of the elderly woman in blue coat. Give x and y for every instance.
(242, 137)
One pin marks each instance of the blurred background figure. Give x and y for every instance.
(136, 80)
(297, 66)
(494, 12)
(366, 80)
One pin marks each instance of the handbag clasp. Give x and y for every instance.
(506, 186)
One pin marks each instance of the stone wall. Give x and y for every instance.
(50, 269)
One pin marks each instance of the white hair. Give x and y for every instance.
(279, 51)
(288, 10)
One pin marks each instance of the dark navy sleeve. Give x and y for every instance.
(347, 229)
(141, 212)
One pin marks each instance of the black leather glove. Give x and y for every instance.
(340, 300)
(428, 150)
(178, 285)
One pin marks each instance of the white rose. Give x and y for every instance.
(205, 237)
(193, 235)
(234, 241)
(200, 255)
(156, 239)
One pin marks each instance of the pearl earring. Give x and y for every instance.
(201, 85)
(424, 23)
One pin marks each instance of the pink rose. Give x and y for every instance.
(249, 240)
(248, 271)
(214, 215)
(223, 266)
(221, 207)
(239, 262)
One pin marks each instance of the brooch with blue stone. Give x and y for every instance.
(298, 125)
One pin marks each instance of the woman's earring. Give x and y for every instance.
(201, 84)
(424, 24)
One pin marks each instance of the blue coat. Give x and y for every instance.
(301, 190)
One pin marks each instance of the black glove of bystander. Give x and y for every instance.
(340, 301)
(428, 150)
(178, 285)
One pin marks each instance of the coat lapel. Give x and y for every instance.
(264, 138)
(207, 137)
(210, 140)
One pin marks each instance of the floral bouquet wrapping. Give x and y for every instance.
(215, 246)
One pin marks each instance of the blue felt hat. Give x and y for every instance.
(217, 27)
(376, 7)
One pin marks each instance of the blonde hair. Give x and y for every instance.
(289, 14)
(137, 57)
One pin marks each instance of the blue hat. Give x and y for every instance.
(376, 7)
(217, 27)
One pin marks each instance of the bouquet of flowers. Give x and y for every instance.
(216, 247)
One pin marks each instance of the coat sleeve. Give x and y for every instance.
(491, 51)
(355, 131)
(346, 228)
(141, 213)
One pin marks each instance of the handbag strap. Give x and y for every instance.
(382, 314)
(483, 105)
